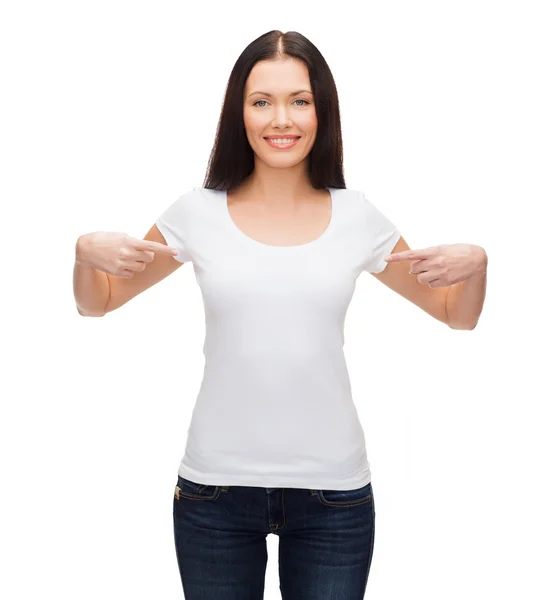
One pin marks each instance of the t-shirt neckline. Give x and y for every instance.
(298, 247)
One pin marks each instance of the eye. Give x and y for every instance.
(297, 100)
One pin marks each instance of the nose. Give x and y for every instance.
(281, 118)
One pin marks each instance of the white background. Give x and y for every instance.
(109, 110)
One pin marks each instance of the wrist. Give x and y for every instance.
(80, 250)
(482, 262)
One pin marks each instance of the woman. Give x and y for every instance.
(277, 242)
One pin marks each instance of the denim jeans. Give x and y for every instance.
(326, 540)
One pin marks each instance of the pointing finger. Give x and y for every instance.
(156, 247)
(408, 255)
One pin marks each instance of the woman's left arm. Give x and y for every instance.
(465, 300)
(462, 268)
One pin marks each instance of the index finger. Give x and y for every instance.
(156, 247)
(407, 255)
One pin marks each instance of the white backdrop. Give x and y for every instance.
(109, 110)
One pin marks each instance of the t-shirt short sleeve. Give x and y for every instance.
(381, 235)
(172, 224)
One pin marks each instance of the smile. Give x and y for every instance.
(282, 143)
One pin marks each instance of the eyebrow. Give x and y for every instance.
(271, 95)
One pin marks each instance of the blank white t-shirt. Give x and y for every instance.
(275, 407)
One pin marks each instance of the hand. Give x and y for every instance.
(118, 254)
(447, 264)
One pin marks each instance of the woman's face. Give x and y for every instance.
(271, 107)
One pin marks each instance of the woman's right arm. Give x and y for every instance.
(90, 286)
(111, 268)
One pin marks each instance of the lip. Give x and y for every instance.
(283, 137)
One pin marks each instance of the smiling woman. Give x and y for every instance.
(279, 86)
(277, 242)
(279, 106)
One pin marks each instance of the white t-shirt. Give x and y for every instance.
(275, 407)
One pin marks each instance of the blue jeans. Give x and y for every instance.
(325, 546)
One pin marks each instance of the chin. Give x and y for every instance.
(288, 161)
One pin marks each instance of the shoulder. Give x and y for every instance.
(377, 216)
(186, 203)
(347, 194)
(351, 199)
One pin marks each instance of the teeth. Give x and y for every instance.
(282, 141)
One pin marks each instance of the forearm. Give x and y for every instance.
(465, 300)
(90, 287)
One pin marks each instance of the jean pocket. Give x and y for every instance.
(186, 488)
(346, 497)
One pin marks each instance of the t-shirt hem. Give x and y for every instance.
(268, 481)
(388, 247)
(171, 239)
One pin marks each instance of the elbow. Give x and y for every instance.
(89, 314)
(463, 327)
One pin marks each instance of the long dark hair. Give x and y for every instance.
(232, 158)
